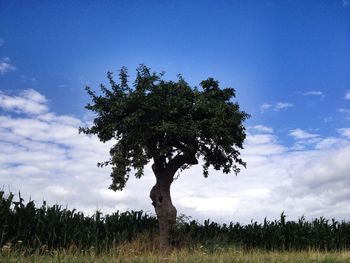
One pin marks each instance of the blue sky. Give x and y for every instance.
(288, 60)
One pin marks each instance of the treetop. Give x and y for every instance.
(168, 122)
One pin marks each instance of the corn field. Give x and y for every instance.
(24, 225)
(27, 226)
(320, 234)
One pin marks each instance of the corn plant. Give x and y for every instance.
(23, 225)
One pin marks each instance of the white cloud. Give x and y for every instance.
(329, 170)
(328, 119)
(328, 143)
(283, 181)
(28, 101)
(304, 139)
(346, 112)
(33, 95)
(313, 93)
(25, 78)
(282, 105)
(300, 134)
(264, 107)
(344, 132)
(44, 156)
(5, 66)
(347, 95)
(263, 145)
(262, 128)
(275, 107)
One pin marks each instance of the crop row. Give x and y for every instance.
(22, 224)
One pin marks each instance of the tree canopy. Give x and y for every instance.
(167, 121)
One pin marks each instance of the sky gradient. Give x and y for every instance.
(289, 62)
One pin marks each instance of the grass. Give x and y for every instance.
(139, 251)
(183, 256)
(46, 234)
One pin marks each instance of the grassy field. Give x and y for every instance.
(54, 234)
(128, 254)
(143, 251)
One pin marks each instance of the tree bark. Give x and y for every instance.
(160, 194)
(161, 200)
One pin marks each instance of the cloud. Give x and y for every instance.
(327, 172)
(262, 128)
(277, 179)
(328, 119)
(28, 101)
(25, 78)
(282, 105)
(328, 143)
(275, 107)
(5, 66)
(347, 95)
(305, 140)
(299, 134)
(43, 155)
(346, 112)
(344, 132)
(264, 107)
(313, 93)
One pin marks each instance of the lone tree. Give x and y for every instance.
(170, 123)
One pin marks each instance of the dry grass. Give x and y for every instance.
(145, 251)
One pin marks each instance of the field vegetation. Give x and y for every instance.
(55, 234)
(131, 253)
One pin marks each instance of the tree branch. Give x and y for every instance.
(179, 160)
(159, 163)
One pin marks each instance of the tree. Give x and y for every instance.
(171, 124)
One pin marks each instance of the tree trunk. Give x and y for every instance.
(161, 200)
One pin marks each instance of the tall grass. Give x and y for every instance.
(130, 253)
(55, 227)
(320, 234)
(22, 225)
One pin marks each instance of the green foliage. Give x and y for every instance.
(167, 121)
(320, 234)
(25, 226)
